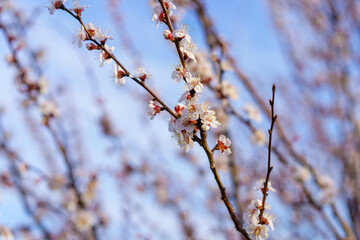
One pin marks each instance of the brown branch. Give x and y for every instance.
(177, 41)
(210, 154)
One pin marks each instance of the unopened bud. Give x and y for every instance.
(168, 35)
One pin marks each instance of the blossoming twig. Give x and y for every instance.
(127, 73)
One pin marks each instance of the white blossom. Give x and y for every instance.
(43, 85)
(224, 144)
(142, 74)
(119, 75)
(49, 109)
(253, 112)
(257, 231)
(104, 56)
(182, 33)
(158, 13)
(6, 233)
(194, 83)
(55, 4)
(154, 108)
(180, 73)
(84, 220)
(260, 185)
(228, 90)
(259, 137)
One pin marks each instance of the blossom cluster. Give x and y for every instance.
(257, 224)
(193, 116)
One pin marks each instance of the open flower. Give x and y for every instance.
(228, 90)
(105, 57)
(259, 137)
(194, 83)
(55, 4)
(119, 75)
(154, 108)
(257, 231)
(49, 109)
(260, 186)
(142, 74)
(158, 13)
(182, 33)
(224, 144)
(253, 112)
(180, 73)
(84, 220)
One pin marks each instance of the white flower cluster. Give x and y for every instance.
(258, 228)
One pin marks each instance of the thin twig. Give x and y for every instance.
(269, 168)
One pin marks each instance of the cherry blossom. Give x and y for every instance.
(253, 112)
(6, 233)
(55, 4)
(194, 83)
(228, 90)
(142, 74)
(49, 109)
(84, 220)
(168, 35)
(154, 108)
(259, 137)
(179, 108)
(43, 85)
(257, 231)
(95, 33)
(119, 75)
(208, 117)
(104, 56)
(260, 185)
(182, 33)
(180, 73)
(224, 144)
(158, 13)
(188, 49)
(77, 7)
